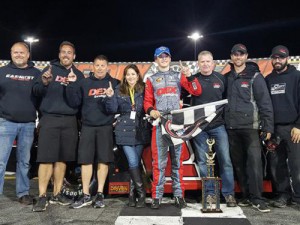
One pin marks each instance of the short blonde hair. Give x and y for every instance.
(205, 53)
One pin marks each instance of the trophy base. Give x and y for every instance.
(211, 211)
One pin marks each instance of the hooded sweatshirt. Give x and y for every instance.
(90, 94)
(54, 95)
(17, 103)
(285, 94)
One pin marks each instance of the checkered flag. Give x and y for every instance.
(187, 123)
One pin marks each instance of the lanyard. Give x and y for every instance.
(131, 92)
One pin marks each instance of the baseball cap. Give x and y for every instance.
(239, 48)
(280, 50)
(161, 50)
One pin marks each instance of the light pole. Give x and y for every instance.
(31, 40)
(195, 36)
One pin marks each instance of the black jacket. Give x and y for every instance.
(89, 94)
(54, 95)
(129, 131)
(17, 103)
(285, 94)
(213, 89)
(249, 103)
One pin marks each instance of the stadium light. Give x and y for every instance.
(195, 36)
(31, 40)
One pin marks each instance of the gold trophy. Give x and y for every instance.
(208, 201)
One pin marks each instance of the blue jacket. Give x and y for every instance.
(129, 131)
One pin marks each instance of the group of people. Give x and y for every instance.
(77, 123)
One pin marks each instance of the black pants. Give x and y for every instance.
(245, 152)
(285, 163)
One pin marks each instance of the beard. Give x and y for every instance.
(278, 67)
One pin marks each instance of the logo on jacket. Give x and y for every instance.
(160, 79)
(245, 84)
(97, 92)
(166, 90)
(278, 89)
(216, 85)
(61, 79)
(19, 77)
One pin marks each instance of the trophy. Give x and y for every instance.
(208, 200)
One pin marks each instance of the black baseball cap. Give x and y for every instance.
(239, 48)
(280, 50)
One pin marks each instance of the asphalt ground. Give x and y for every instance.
(12, 212)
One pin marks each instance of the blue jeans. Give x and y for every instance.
(221, 147)
(24, 132)
(133, 154)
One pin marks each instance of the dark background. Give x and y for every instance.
(130, 30)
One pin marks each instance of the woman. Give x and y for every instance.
(131, 129)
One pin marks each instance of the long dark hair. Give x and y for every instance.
(124, 86)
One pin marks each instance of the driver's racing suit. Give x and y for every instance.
(162, 93)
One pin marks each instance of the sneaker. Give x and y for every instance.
(131, 201)
(230, 201)
(26, 200)
(211, 199)
(262, 207)
(296, 206)
(99, 203)
(244, 202)
(292, 202)
(60, 199)
(155, 204)
(180, 203)
(85, 200)
(41, 204)
(279, 203)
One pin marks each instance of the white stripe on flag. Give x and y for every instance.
(176, 141)
(189, 117)
(210, 117)
(198, 131)
(208, 110)
(221, 102)
(176, 127)
(163, 130)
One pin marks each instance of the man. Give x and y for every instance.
(213, 88)
(58, 132)
(284, 86)
(162, 94)
(248, 115)
(17, 116)
(96, 137)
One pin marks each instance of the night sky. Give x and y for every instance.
(129, 31)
